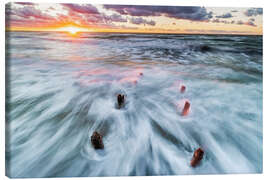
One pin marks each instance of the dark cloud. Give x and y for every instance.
(126, 27)
(240, 22)
(221, 21)
(140, 20)
(225, 22)
(253, 12)
(216, 21)
(227, 15)
(83, 9)
(115, 18)
(177, 12)
(25, 3)
(90, 19)
(249, 23)
(89, 14)
(102, 19)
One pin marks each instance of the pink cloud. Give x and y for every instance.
(83, 9)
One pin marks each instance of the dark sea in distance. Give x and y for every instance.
(61, 88)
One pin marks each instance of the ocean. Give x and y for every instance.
(61, 88)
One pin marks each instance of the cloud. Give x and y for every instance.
(30, 12)
(177, 12)
(227, 15)
(140, 20)
(102, 20)
(249, 23)
(217, 31)
(253, 12)
(25, 3)
(225, 22)
(216, 21)
(83, 9)
(221, 21)
(240, 22)
(84, 15)
(89, 14)
(27, 16)
(115, 18)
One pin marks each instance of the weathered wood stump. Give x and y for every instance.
(186, 109)
(197, 157)
(183, 89)
(120, 100)
(96, 140)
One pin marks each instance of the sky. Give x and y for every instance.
(135, 19)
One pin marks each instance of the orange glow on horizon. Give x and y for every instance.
(74, 29)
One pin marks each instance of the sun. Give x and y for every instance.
(72, 30)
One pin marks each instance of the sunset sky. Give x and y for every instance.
(136, 19)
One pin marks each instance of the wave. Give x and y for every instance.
(63, 91)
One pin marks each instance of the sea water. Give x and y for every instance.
(61, 88)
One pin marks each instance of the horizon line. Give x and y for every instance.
(130, 32)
